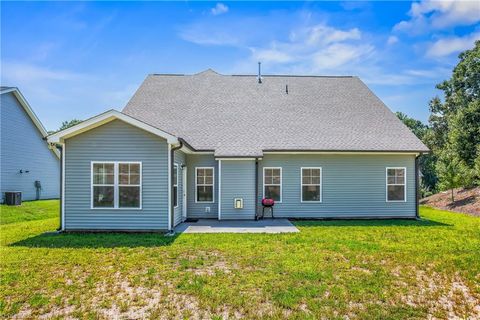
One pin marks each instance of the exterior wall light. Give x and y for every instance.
(238, 203)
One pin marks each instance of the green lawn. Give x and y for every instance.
(331, 269)
(30, 210)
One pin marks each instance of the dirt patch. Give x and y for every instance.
(138, 302)
(445, 297)
(360, 269)
(466, 201)
(206, 264)
(210, 270)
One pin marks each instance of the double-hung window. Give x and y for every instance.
(272, 183)
(204, 178)
(396, 184)
(175, 185)
(129, 185)
(103, 185)
(311, 184)
(116, 185)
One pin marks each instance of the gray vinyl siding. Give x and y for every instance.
(237, 181)
(23, 148)
(180, 159)
(198, 210)
(353, 186)
(116, 141)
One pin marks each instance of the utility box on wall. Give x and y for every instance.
(238, 203)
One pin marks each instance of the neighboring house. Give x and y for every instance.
(25, 153)
(188, 146)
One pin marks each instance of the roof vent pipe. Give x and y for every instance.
(259, 72)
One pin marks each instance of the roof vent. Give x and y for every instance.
(259, 72)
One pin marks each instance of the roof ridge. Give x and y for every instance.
(291, 76)
(252, 75)
(168, 74)
(207, 71)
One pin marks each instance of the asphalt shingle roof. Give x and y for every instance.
(234, 115)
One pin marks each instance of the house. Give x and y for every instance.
(27, 163)
(212, 146)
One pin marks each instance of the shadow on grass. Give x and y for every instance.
(370, 223)
(96, 240)
(463, 202)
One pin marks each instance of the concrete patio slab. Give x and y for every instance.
(237, 226)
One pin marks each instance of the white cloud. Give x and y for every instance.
(450, 45)
(339, 54)
(355, 5)
(435, 72)
(271, 55)
(431, 14)
(27, 73)
(322, 34)
(392, 40)
(220, 8)
(209, 35)
(57, 95)
(314, 49)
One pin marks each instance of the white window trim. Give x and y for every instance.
(213, 184)
(320, 184)
(175, 183)
(396, 184)
(116, 185)
(281, 183)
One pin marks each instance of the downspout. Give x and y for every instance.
(60, 149)
(417, 190)
(172, 169)
(256, 188)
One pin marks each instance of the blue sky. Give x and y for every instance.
(75, 60)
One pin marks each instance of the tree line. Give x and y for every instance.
(453, 130)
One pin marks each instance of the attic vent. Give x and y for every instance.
(259, 72)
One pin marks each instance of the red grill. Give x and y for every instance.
(268, 202)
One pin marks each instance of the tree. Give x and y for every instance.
(68, 124)
(476, 169)
(464, 85)
(436, 137)
(455, 123)
(426, 161)
(464, 135)
(418, 127)
(451, 171)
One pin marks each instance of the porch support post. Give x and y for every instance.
(170, 172)
(61, 148)
(64, 153)
(219, 189)
(256, 188)
(417, 189)
(171, 194)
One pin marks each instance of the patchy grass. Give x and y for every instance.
(392, 269)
